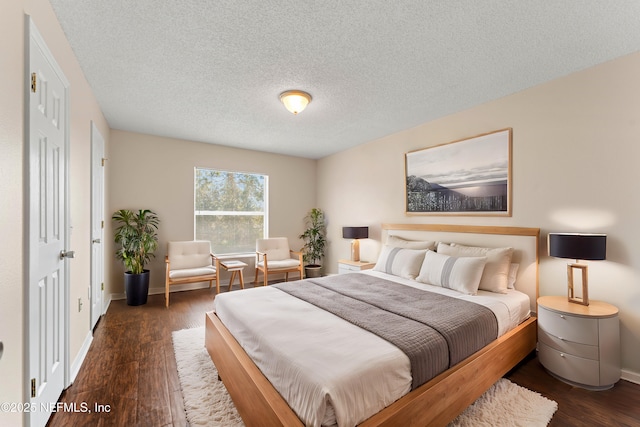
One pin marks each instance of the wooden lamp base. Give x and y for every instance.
(585, 289)
(355, 250)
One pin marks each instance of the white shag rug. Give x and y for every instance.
(208, 404)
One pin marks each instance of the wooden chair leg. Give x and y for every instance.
(266, 279)
(255, 279)
(241, 280)
(286, 276)
(166, 294)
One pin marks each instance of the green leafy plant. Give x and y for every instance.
(314, 237)
(137, 236)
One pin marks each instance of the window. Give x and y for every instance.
(230, 209)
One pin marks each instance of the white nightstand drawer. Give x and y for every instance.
(576, 349)
(570, 328)
(578, 369)
(346, 267)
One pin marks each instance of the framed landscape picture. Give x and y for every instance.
(467, 177)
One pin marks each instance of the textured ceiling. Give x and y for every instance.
(212, 71)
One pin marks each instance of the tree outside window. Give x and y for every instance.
(230, 209)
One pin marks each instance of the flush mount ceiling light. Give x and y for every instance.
(295, 100)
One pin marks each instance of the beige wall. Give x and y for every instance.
(575, 153)
(83, 109)
(11, 221)
(575, 168)
(163, 182)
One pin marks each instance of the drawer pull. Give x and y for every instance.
(562, 316)
(561, 354)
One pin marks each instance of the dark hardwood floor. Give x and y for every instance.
(131, 371)
(577, 407)
(131, 367)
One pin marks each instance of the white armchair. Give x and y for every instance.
(274, 256)
(190, 262)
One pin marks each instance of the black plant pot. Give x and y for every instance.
(136, 287)
(312, 271)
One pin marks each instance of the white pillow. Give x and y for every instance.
(513, 274)
(400, 262)
(399, 242)
(461, 274)
(496, 273)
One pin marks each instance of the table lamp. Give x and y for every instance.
(355, 233)
(577, 246)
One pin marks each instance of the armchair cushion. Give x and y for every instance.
(280, 263)
(192, 272)
(276, 248)
(189, 254)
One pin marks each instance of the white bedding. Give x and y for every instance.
(333, 372)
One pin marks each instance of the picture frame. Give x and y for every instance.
(471, 176)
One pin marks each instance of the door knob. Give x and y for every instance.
(67, 254)
(96, 241)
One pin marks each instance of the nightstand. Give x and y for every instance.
(345, 265)
(579, 344)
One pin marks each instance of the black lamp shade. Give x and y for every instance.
(355, 232)
(578, 246)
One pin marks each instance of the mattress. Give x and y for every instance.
(330, 371)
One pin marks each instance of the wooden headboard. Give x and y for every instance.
(524, 240)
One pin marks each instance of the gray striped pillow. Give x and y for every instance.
(400, 261)
(495, 277)
(461, 274)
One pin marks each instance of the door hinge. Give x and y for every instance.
(34, 80)
(101, 224)
(33, 387)
(102, 286)
(103, 160)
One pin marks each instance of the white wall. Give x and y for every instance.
(151, 172)
(84, 109)
(575, 168)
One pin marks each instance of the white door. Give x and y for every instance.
(47, 228)
(97, 225)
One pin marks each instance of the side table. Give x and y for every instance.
(236, 268)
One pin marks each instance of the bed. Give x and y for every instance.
(435, 402)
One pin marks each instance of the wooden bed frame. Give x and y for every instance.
(435, 403)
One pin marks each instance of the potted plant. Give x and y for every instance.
(314, 242)
(138, 239)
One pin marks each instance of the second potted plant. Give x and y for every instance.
(138, 239)
(314, 242)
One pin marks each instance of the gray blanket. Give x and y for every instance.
(435, 331)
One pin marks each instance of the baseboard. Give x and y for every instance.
(630, 376)
(174, 288)
(105, 305)
(77, 362)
